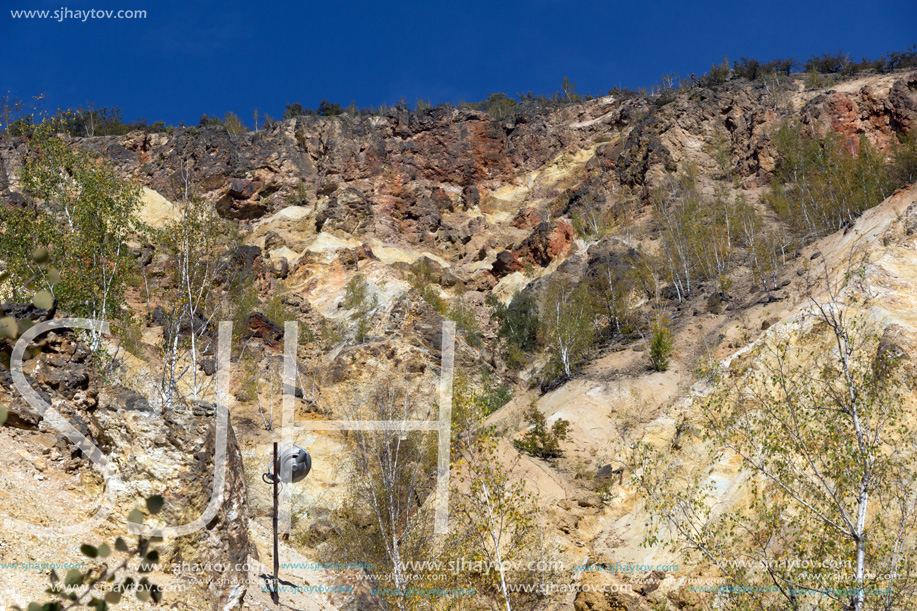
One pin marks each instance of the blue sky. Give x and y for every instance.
(193, 57)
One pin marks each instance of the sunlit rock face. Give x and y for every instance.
(437, 210)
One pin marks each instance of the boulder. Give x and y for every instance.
(506, 263)
(546, 243)
(116, 398)
(241, 188)
(258, 326)
(348, 211)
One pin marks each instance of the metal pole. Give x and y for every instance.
(275, 594)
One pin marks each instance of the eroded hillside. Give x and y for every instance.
(370, 232)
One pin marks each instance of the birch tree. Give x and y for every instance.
(393, 472)
(696, 235)
(568, 315)
(192, 298)
(817, 417)
(495, 530)
(87, 215)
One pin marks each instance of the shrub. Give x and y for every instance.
(540, 440)
(569, 90)
(719, 74)
(569, 327)
(827, 63)
(904, 167)
(93, 121)
(590, 223)
(780, 66)
(207, 121)
(817, 80)
(661, 347)
(747, 68)
(499, 105)
(296, 110)
(424, 279)
(465, 320)
(329, 109)
(233, 123)
(518, 322)
(495, 393)
(358, 298)
(300, 195)
(897, 60)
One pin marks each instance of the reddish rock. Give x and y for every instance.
(528, 218)
(365, 253)
(606, 157)
(462, 151)
(863, 113)
(506, 263)
(844, 121)
(258, 326)
(546, 243)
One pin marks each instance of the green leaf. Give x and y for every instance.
(8, 327)
(4, 412)
(73, 578)
(104, 551)
(53, 576)
(113, 597)
(40, 255)
(155, 503)
(89, 550)
(43, 300)
(153, 556)
(24, 325)
(143, 595)
(121, 545)
(53, 277)
(135, 517)
(156, 593)
(33, 607)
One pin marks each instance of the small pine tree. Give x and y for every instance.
(661, 347)
(540, 440)
(519, 326)
(358, 298)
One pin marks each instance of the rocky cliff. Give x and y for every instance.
(456, 205)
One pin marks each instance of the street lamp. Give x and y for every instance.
(291, 465)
